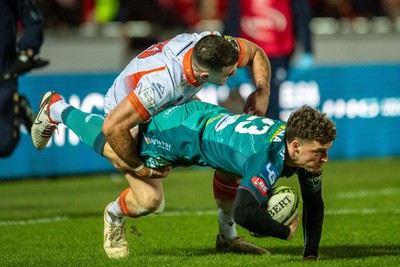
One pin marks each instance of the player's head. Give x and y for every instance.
(309, 136)
(215, 59)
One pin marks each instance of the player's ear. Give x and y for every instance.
(296, 145)
(204, 75)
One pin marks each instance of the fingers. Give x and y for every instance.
(147, 172)
(293, 225)
(161, 173)
(295, 221)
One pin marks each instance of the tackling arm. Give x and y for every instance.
(259, 66)
(117, 130)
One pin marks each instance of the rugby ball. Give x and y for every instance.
(283, 204)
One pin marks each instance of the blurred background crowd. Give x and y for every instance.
(66, 15)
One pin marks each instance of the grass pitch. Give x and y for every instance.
(59, 222)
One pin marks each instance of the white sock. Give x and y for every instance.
(56, 110)
(114, 213)
(227, 227)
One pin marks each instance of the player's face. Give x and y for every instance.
(311, 156)
(220, 77)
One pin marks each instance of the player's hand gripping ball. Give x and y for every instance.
(283, 204)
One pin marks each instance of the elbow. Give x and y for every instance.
(110, 127)
(106, 128)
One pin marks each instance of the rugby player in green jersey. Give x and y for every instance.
(255, 152)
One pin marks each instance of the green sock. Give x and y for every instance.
(86, 126)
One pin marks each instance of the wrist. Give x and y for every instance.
(138, 168)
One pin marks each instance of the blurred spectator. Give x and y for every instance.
(392, 8)
(367, 8)
(276, 26)
(154, 11)
(331, 8)
(350, 8)
(61, 15)
(18, 55)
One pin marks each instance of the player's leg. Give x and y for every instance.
(144, 196)
(9, 109)
(54, 110)
(225, 188)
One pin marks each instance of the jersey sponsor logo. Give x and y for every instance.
(147, 140)
(158, 143)
(260, 185)
(279, 134)
(224, 121)
(270, 174)
(211, 120)
(146, 95)
(316, 180)
(159, 89)
(169, 111)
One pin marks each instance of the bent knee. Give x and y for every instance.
(148, 204)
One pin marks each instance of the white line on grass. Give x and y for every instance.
(195, 213)
(327, 212)
(351, 211)
(369, 193)
(34, 221)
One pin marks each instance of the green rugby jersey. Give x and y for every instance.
(199, 133)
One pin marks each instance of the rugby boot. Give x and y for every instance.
(43, 127)
(239, 245)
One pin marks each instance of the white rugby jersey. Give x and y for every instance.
(161, 76)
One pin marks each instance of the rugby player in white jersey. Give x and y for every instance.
(168, 73)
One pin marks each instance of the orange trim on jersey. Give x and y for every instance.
(132, 82)
(134, 78)
(138, 106)
(188, 70)
(242, 51)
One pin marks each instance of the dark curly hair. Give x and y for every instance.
(308, 124)
(215, 52)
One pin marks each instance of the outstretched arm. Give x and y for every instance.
(313, 212)
(257, 62)
(249, 214)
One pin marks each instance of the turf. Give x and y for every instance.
(58, 222)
